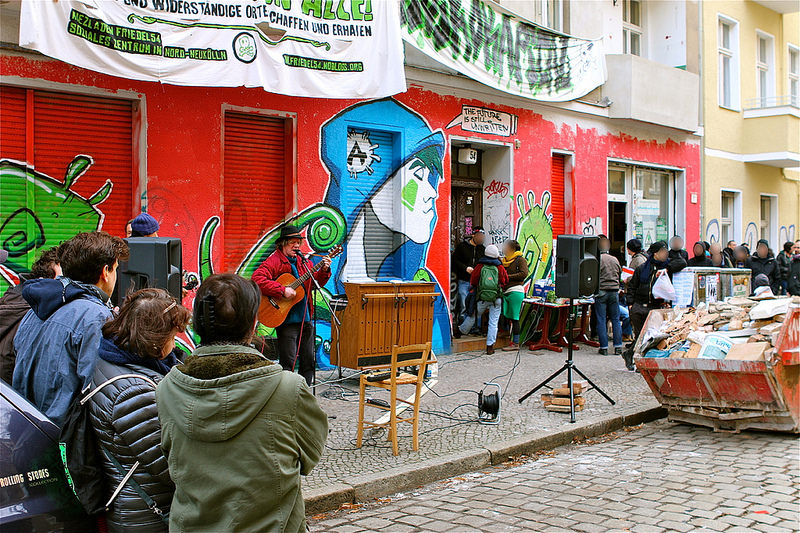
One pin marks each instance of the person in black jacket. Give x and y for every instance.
(676, 249)
(462, 262)
(700, 258)
(640, 286)
(794, 270)
(763, 262)
(140, 344)
(784, 261)
(13, 307)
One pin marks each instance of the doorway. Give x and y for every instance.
(466, 197)
(618, 229)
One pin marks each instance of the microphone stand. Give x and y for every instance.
(318, 290)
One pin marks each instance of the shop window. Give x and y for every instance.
(765, 70)
(632, 32)
(256, 175)
(69, 168)
(616, 181)
(652, 205)
(728, 66)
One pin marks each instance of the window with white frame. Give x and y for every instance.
(728, 68)
(550, 13)
(769, 213)
(632, 32)
(727, 218)
(765, 70)
(793, 71)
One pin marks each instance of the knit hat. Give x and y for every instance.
(762, 280)
(492, 251)
(143, 224)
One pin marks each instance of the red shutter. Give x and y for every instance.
(557, 194)
(254, 181)
(66, 125)
(12, 123)
(46, 131)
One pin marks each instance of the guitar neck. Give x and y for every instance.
(305, 277)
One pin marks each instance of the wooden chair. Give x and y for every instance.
(402, 356)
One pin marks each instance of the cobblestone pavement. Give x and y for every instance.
(657, 477)
(449, 420)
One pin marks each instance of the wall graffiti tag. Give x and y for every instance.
(485, 120)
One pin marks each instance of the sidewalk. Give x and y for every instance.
(451, 440)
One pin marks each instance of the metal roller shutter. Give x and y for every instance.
(378, 245)
(256, 177)
(557, 194)
(46, 131)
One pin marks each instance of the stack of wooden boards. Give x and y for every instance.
(558, 399)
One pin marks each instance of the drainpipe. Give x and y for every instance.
(701, 118)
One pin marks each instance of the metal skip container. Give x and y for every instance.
(731, 395)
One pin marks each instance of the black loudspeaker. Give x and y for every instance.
(577, 266)
(154, 262)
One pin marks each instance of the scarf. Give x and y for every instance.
(112, 353)
(510, 259)
(647, 268)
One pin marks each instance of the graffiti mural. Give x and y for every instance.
(713, 230)
(751, 236)
(592, 226)
(497, 211)
(786, 234)
(40, 212)
(535, 236)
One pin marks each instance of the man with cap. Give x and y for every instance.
(144, 225)
(295, 335)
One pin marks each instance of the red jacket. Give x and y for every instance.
(475, 277)
(277, 264)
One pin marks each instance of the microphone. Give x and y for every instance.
(299, 254)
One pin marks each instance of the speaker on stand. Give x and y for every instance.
(577, 276)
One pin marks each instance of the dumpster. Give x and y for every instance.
(726, 394)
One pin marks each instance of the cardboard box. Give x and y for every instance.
(694, 351)
(749, 351)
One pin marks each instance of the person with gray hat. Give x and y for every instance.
(295, 335)
(487, 281)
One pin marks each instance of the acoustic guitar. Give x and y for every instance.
(272, 312)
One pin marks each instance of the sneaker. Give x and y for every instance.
(627, 338)
(513, 347)
(603, 351)
(489, 349)
(618, 350)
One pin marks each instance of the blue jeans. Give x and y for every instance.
(625, 317)
(494, 318)
(607, 306)
(462, 289)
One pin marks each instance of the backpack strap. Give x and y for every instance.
(127, 477)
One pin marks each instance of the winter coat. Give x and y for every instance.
(12, 308)
(475, 277)
(784, 262)
(675, 254)
(238, 433)
(125, 420)
(641, 292)
(465, 255)
(794, 276)
(766, 266)
(57, 343)
(700, 261)
(517, 272)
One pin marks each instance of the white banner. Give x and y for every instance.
(315, 48)
(480, 39)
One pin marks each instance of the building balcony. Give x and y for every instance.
(641, 89)
(772, 131)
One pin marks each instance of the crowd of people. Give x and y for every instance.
(489, 281)
(179, 437)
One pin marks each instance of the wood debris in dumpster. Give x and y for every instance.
(737, 329)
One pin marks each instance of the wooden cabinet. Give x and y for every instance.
(379, 315)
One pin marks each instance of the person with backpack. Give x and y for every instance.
(136, 352)
(57, 341)
(487, 281)
(238, 431)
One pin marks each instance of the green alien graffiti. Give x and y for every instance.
(535, 235)
(39, 211)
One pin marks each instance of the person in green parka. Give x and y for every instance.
(237, 430)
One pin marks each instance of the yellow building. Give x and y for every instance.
(751, 120)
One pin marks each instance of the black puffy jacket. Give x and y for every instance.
(125, 419)
(766, 266)
(794, 276)
(640, 292)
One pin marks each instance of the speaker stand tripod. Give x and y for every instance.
(569, 367)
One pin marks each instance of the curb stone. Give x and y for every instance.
(404, 478)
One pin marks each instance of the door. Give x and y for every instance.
(618, 229)
(467, 213)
